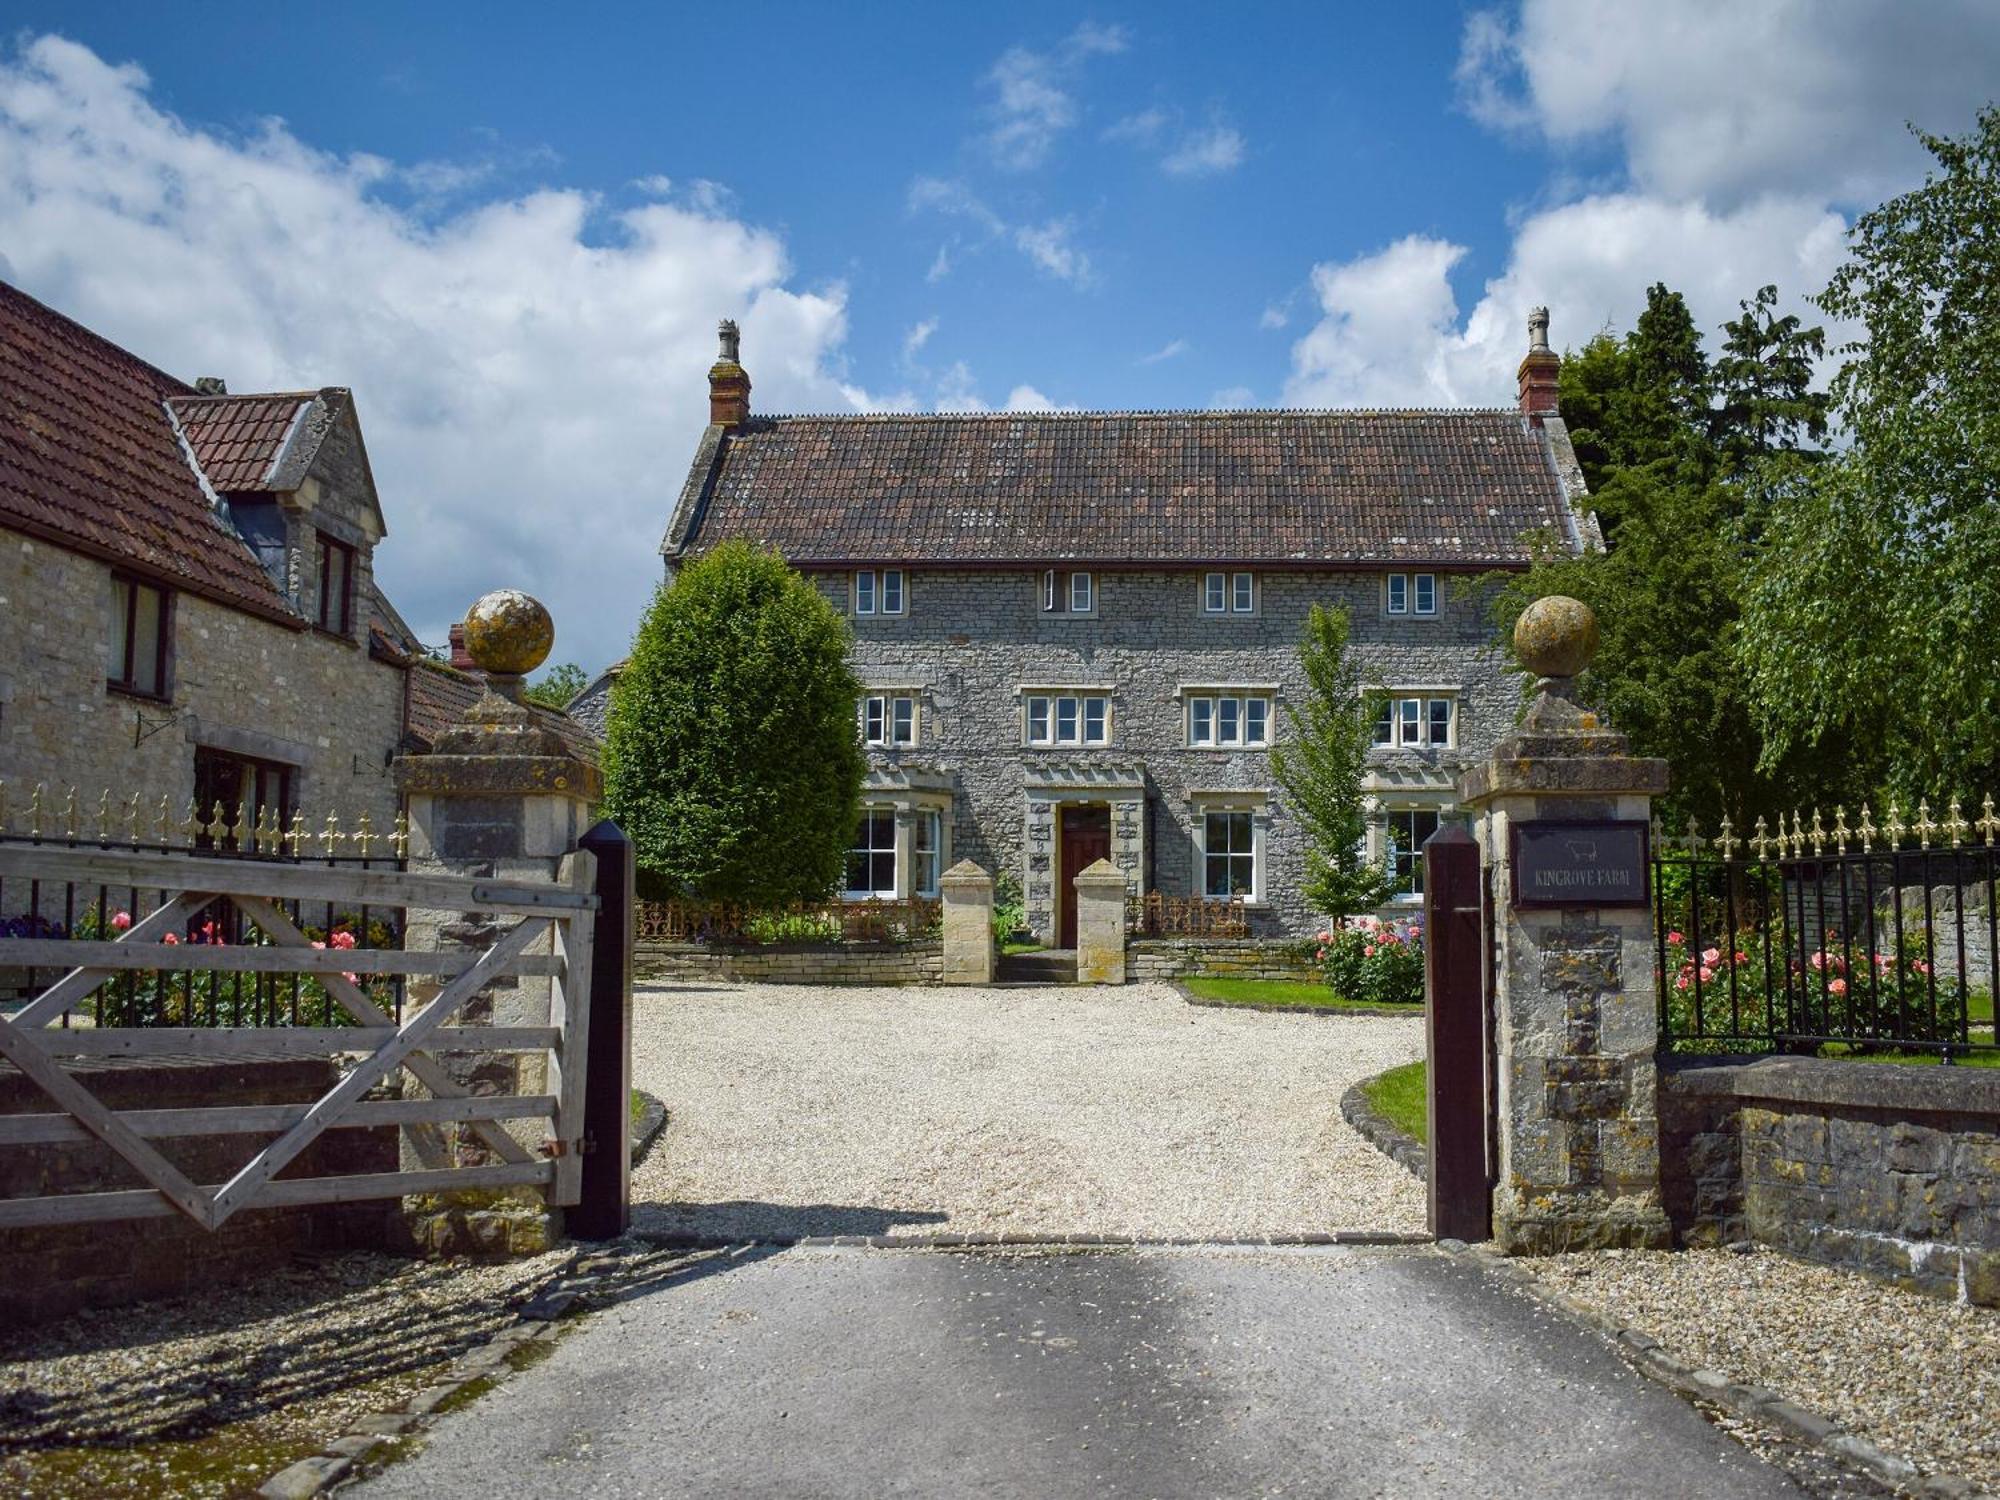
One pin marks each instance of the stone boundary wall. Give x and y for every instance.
(48, 1273)
(1216, 958)
(795, 963)
(1893, 1170)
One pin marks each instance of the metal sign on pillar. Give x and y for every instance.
(1460, 1187)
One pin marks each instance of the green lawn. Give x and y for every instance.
(1286, 992)
(1398, 1096)
(1021, 945)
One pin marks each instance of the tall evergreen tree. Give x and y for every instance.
(1320, 768)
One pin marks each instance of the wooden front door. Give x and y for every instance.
(1086, 838)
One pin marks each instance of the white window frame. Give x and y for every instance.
(864, 592)
(1409, 713)
(1243, 593)
(871, 590)
(1393, 854)
(1404, 593)
(880, 716)
(872, 851)
(1215, 593)
(900, 591)
(1208, 713)
(1420, 584)
(1398, 601)
(1044, 712)
(1069, 593)
(926, 865)
(1208, 806)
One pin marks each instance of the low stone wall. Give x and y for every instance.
(1215, 958)
(50, 1272)
(1894, 1170)
(795, 963)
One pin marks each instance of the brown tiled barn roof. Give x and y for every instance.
(1272, 487)
(89, 460)
(238, 439)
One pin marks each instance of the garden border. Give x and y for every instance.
(1279, 1007)
(1380, 1132)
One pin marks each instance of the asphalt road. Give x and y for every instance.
(1155, 1372)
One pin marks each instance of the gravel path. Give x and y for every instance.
(207, 1395)
(799, 1110)
(1916, 1376)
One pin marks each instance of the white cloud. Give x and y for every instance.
(529, 370)
(958, 391)
(1203, 153)
(1033, 100)
(940, 265)
(654, 184)
(1170, 350)
(1232, 398)
(1276, 314)
(1729, 101)
(918, 336)
(1048, 247)
(1389, 331)
(1142, 128)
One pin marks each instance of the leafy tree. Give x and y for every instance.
(558, 685)
(1665, 438)
(1320, 769)
(731, 757)
(1873, 609)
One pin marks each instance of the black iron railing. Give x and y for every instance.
(1841, 941)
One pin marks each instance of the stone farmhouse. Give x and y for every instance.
(1078, 631)
(188, 606)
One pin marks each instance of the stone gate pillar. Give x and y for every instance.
(499, 796)
(1575, 1010)
(967, 891)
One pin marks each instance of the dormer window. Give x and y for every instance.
(1068, 593)
(336, 586)
(879, 591)
(1412, 594)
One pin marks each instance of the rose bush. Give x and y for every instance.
(1372, 961)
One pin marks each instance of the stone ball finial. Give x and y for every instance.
(1556, 636)
(508, 634)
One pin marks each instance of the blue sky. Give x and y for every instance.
(511, 229)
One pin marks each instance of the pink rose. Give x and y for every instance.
(1681, 983)
(1742, 957)
(1675, 937)
(120, 921)
(1837, 987)
(1711, 955)
(1321, 955)
(1368, 951)
(171, 939)
(1707, 974)
(342, 939)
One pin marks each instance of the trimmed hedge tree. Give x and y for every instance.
(731, 757)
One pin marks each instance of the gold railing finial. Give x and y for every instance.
(1694, 838)
(132, 819)
(35, 812)
(1840, 829)
(104, 816)
(331, 838)
(1867, 830)
(218, 825)
(70, 819)
(1818, 835)
(297, 837)
(1726, 842)
(401, 843)
(364, 833)
(1893, 827)
(1923, 828)
(1760, 839)
(1954, 823)
(1988, 824)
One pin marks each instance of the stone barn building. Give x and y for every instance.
(1079, 631)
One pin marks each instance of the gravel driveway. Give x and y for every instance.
(799, 1110)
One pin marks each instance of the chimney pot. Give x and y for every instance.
(1539, 370)
(211, 385)
(460, 657)
(728, 381)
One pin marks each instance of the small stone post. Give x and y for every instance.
(968, 924)
(1100, 924)
(1575, 1010)
(500, 796)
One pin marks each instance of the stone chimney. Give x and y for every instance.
(1537, 375)
(211, 385)
(728, 382)
(460, 657)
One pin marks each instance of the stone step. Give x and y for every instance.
(1051, 966)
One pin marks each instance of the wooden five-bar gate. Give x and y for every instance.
(101, 917)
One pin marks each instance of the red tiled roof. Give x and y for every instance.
(1271, 487)
(237, 439)
(440, 695)
(89, 461)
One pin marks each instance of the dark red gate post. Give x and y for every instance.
(1461, 1199)
(604, 1210)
